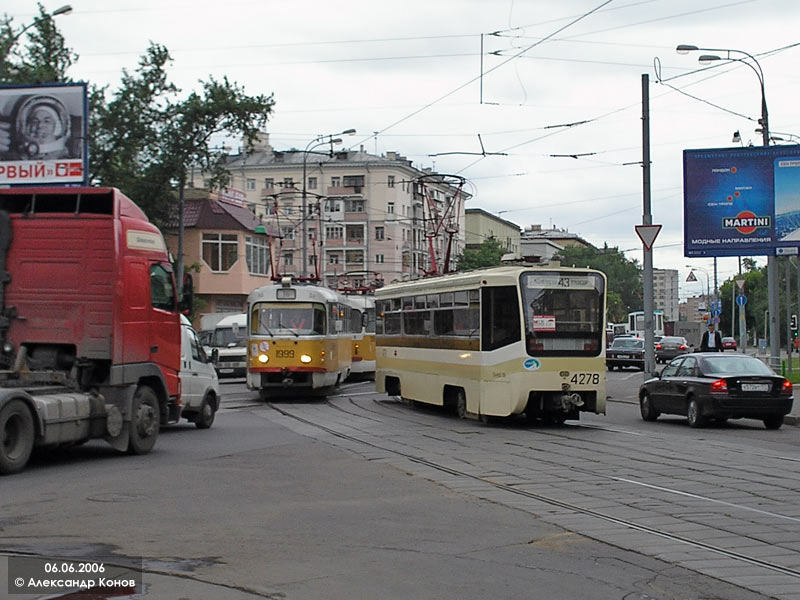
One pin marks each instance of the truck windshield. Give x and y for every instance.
(270, 318)
(224, 337)
(563, 313)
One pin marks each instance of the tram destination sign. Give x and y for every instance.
(572, 282)
(741, 201)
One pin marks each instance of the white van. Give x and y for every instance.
(230, 342)
(199, 382)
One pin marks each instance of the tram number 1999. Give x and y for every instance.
(585, 378)
(284, 354)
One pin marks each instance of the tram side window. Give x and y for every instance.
(500, 317)
(417, 322)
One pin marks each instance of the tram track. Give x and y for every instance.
(543, 498)
(595, 473)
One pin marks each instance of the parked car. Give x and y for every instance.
(711, 385)
(625, 352)
(728, 343)
(668, 347)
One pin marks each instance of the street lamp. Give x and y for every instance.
(64, 10)
(772, 276)
(708, 285)
(320, 140)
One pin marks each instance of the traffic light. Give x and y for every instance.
(793, 326)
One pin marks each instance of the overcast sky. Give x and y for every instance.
(407, 76)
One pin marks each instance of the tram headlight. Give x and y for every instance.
(305, 359)
(263, 358)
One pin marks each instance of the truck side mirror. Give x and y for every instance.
(214, 355)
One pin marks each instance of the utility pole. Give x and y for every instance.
(647, 220)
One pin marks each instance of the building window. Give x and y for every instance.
(333, 259)
(355, 233)
(353, 181)
(312, 183)
(312, 233)
(334, 233)
(312, 260)
(288, 258)
(379, 259)
(354, 257)
(288, 182)
(391, 181)
(379, 233)
(220, 251)
(251, 184)
(257, 255)
(390, 208)
(288, 209)
(333, 205)
(269, 183)
(287, 233)
(354, 205)
(335, 182)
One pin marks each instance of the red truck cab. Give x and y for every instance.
(89, 302)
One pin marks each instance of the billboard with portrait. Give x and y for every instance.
(43, 134)
(741, 201)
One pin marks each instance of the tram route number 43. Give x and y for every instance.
(585, 378)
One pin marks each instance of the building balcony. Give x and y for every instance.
(345, 190)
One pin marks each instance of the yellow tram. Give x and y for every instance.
(300, 339)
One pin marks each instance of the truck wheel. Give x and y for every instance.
(205, 417)
(145, 421)
(16, 436)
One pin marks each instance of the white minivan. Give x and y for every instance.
(230, 342)
(199, 382)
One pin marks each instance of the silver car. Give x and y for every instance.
(668, 347)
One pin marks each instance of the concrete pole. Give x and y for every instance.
(647, 219)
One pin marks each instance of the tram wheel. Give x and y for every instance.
(461, 404)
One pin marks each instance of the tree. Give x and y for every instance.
(624, 276)
(44, 59)
(488, 254)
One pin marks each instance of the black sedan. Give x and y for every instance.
(625, 352)
(712, 385)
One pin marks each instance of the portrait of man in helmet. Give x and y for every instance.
(39, 128)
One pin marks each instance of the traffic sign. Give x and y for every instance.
(648, 234)
(741, 299)
(740, 283)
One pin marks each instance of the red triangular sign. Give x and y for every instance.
(648, 234)
(691, 276)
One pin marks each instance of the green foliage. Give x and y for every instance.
(143, 136)
(43, 59)
(624, 276)
(488, 254)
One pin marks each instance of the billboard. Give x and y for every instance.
(741, 201)
(43, 134)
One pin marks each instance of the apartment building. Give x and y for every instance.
(353, 218)
(482, 225)
(665, 292)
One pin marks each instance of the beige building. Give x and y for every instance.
(359, 220)
(482, 225)
(665, 292)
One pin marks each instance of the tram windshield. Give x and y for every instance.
(563, 313)
(272, 318)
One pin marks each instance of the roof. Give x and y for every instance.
(488, 215)
(209, 213)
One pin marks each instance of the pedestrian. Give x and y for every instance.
(712, 341)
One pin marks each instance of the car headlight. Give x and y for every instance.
(305, 358)
(263, 358)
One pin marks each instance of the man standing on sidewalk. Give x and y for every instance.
(712, 341)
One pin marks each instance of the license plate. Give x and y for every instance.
(226, 370)
(755, 387)
(623, 355)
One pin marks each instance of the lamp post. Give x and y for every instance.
(63, 10)
(320, 140)
(772, 267)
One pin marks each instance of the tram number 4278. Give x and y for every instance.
(284, 353)
(585, 378)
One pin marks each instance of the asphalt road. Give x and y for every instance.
(363, 496)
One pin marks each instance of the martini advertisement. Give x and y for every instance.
(741, 201)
